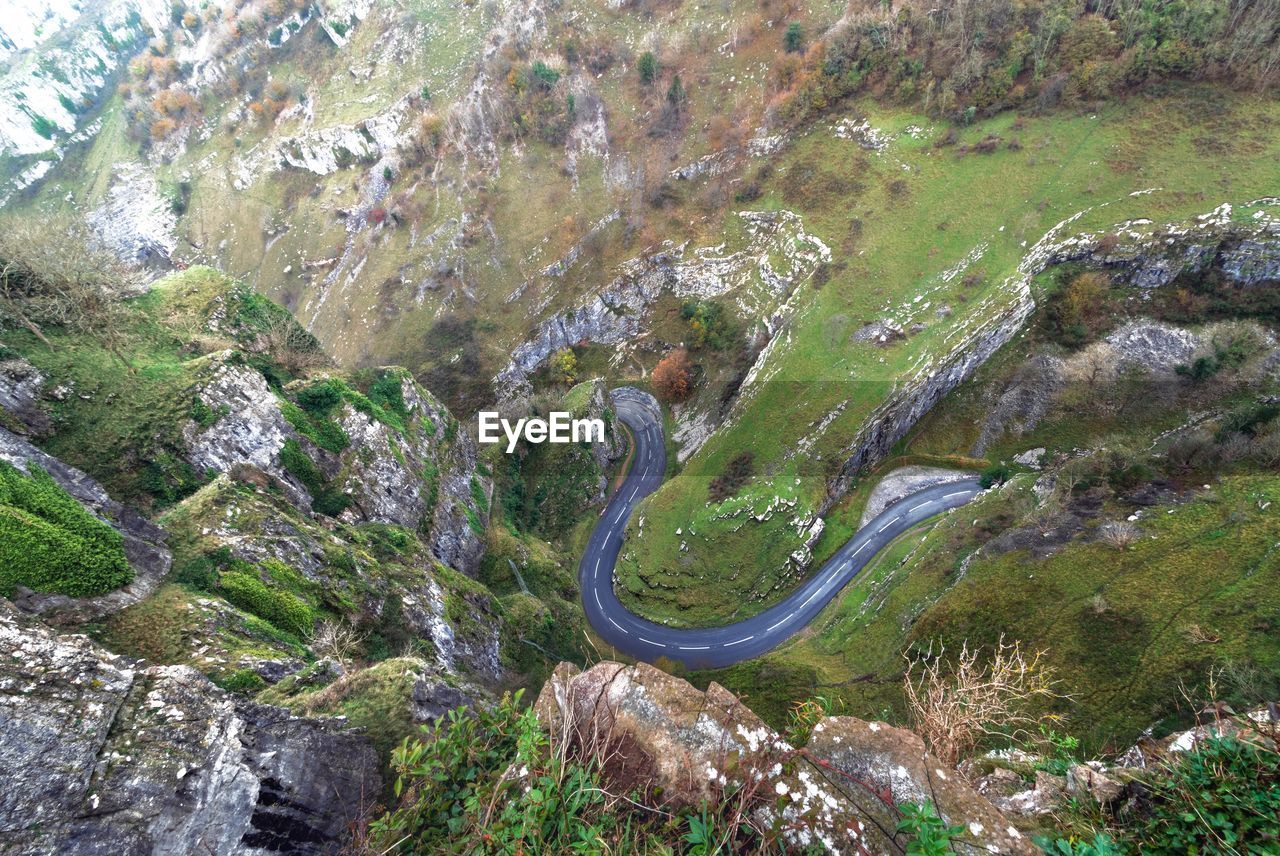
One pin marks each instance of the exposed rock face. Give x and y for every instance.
(1249, 256)
(20, 387)
(913, 397)
(1145, 259)
(839, 792)
(395, 478)
(257, 525)
(895, 759)
(250, 430)
(99, 755)
(1154, 346)
(420, 477)
(617, 313)
(143, 541)
(134, 221)
(66, 59)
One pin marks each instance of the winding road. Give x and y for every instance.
(713, 647)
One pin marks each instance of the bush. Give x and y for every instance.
(387, 392)
(286, 611)
(709, 326)
(673, 377)
(49, 542)
(545, 75)
(793, 38)
(647, 66)
(319, 398)
(325, 499)
(995, 474)
(241, 681)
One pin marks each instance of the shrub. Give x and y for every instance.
(241, 681)
(955, 704)
(319, 398)
(284, 610)
(995, 474)
(545, 75)
(387, 392)
(49, 542)
(673, 377)
(325, 499)
(325, 433)
(709, 326)
(793, 38)
(647, 67)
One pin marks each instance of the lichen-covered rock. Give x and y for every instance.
(20, 386)
(421, 475)
(894, 760)
(1085, 780)
(257, 525)
(250, 428)
(99, 755)
(144, 542)
(840, 792)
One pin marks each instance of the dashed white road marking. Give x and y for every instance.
(957, 493)
(694, 647)
(617, 625)
(596, 592)
(780, 623)
(651, 642)
(921, 505)
(887, 525)
(739, 641)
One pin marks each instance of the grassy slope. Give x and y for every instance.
(1210, 149)
(1120, 627)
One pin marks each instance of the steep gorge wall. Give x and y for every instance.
(1141, 256)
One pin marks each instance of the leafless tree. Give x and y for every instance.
(337, 641)
(56, 274)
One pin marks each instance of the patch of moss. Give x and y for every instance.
(49, 542)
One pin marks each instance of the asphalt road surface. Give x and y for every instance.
(712, 647)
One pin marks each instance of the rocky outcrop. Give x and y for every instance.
(916, 395)
(144, 545)
(258, 525)
(134, 221)
(841, 792)
(250, 429)
(20, 387)
(101, 755)
(617, 313)
(592, 401)
(1143, 258)
(422, 475)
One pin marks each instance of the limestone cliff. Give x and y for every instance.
(103, 755)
